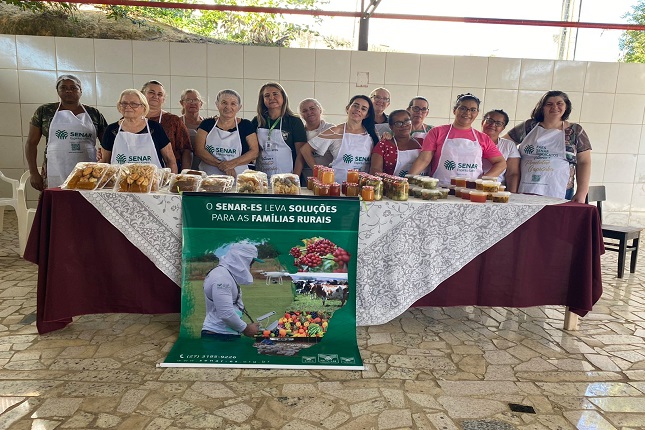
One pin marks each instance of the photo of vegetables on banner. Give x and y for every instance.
(268, 282)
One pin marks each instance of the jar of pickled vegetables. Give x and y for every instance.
(400, 189)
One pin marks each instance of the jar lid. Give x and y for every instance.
(502, 194)
(478, 193)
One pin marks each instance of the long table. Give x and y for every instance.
(410, 253)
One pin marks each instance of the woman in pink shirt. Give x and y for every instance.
(458, 149)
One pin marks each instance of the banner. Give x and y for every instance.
(302, 292)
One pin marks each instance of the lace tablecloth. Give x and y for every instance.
(405, 249)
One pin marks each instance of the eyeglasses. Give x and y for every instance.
(192, 101)
(465, 109)
(417, 109)
(381, 99)
(132, 105)
(73, 88)
(491, 121)
(402, 123)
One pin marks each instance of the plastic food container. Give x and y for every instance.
(465, 193)
(458, 191)
(433, 194)
(490, 178)
(478, 196)
(459, 181)
(86, 176)
(193, 172)
(135, 178)
(490, 186)
(471, 184)
(478, 184)
(217, 184)
(252, 182)
(430, 183)
(285, 183)
(184, 182)
(444, 192)
(501, 197)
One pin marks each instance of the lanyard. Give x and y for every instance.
(271, 127)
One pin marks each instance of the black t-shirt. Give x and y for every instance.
(292, 128)
(245, 126)
(156, 131)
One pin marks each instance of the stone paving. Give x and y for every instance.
(431, 368)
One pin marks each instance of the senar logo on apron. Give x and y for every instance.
(223, 145)
(71, 140)
(134, 148)
(459, 157)
(405, 159)
(354, 153)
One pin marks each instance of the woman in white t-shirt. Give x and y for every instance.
(311, 113)
(493, 124)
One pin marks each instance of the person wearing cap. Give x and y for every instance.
(172, 124)
(224, 307)
(71, 130)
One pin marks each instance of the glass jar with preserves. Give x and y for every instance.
(328, 176)
(400, 189)
(367, 193)
(334, 189)
(377, 183)
(352, 176)
(323, 190)
(310, 183)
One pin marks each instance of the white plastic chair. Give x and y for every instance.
(28, 214)
(19, 204)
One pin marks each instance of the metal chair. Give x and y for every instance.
(623, 234)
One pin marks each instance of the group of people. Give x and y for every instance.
(545, 155)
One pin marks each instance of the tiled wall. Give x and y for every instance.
(608, 98)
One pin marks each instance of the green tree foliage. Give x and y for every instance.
(632, 43)
(42, 7)
(247, 28)
(267, 250)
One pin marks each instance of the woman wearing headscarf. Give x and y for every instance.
(71, 130)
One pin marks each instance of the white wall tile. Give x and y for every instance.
(140, 80)
(440, 100)
(250, 94)
(569, 76)
(215, 85)
(75, 54)
(298, 91)
(262, 63)
(470, 72)
(113, 56)
(619, 198)
(601, 77)
(11, 148)
(370, 62)
(576, 104)
(597, 167)
(503, 73)
(10, 124)
(335, 119)
(436, 70)
(145, 53)
(36, 52)
(500, 99)
(26, 112)
(400, 96)
(624, 139)
(88, 84)
(297, 64)
(628, 109)
(8, 56)
(188, 59)
(597, 107)
(37, 86)
(332, 66)
(401, 69)
(9, 86)
(620, 168)
(631, 78)
(536, 75)
(640, 170)
(225, 61)
(110, 113)
(179, 83)
(598, 136)
(526, 101)
(110, 85)
(334, 96)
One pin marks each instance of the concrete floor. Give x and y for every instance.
(431, 368)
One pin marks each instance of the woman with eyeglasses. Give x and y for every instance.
(458, 149)
(71, 130)
(493, 124)
(395, 156)
(134, 138)
(418, 109)
(174, 127)
(381, 100)
(226, 144)
(311, 113)
(555, 152)
(191, 102)
(281, 134)
(350, 144)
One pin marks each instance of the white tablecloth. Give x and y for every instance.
(405, 249)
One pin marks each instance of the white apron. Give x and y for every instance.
(382, 128)
(354, 153)
(275, 155)
(544, 167)
(405, 159)
(223, 145)
(459, 157)
(134, 148)
(71, 140)
(419, 134)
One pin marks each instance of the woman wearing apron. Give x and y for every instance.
(191, 103)
(493, 123)
(457, 149)
(70, 129)
(228, 144)
(351, 143)
(311, 113)
(419, 108)
(395, 156)
(555, 153)
(134, 139)
(280, 133)
(381, 100)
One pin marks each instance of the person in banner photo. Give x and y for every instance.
(224, 307)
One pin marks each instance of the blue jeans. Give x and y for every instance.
(569, 194)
